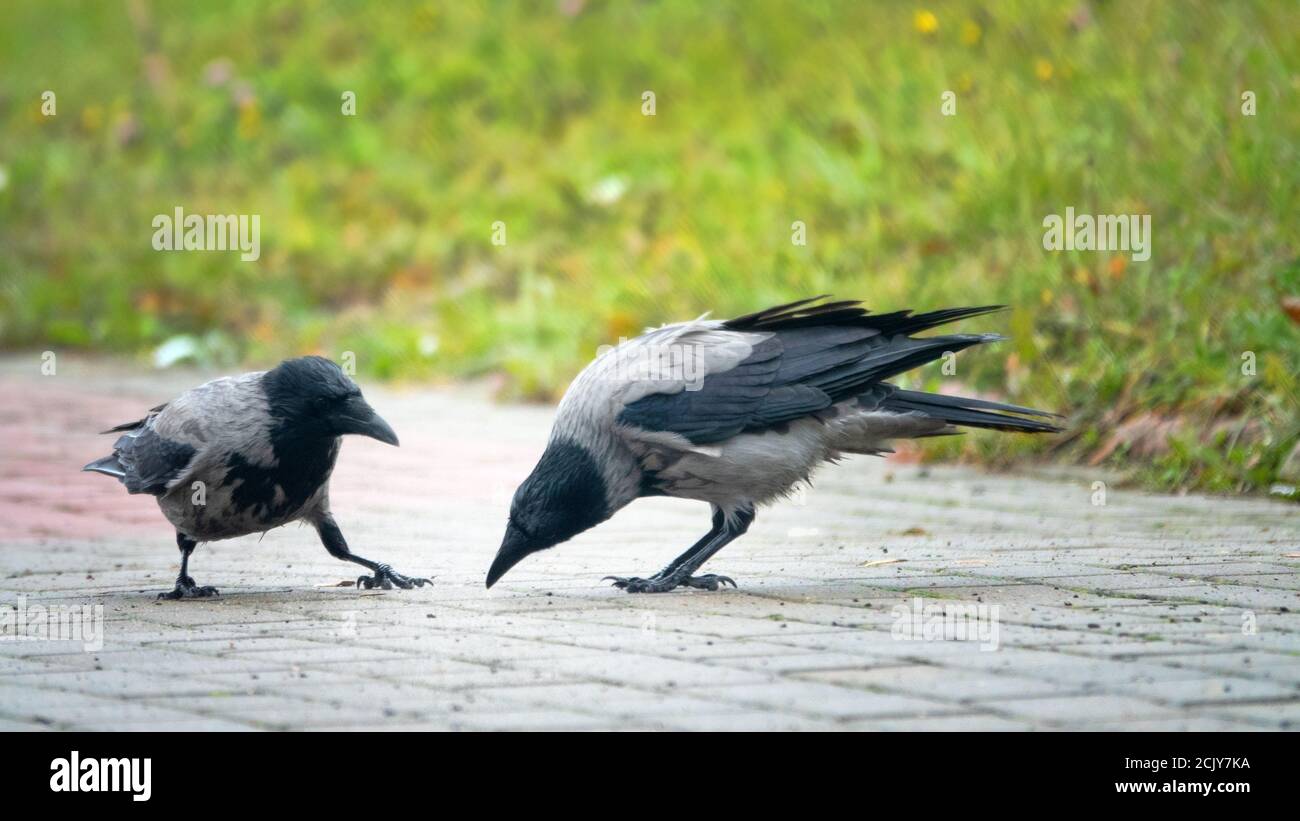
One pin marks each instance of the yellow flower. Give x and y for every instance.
(971, 32)
(1043, 68)
(925, 22)
(250, 119)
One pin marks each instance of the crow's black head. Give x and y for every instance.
(310, 397)
(563, 496)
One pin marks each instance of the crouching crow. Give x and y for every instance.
(737, 413)
(245, 454)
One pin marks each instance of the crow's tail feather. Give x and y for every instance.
(971, 413)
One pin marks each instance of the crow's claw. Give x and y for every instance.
(636, 584)
(708, 581)
(187, 589)
(386, 578)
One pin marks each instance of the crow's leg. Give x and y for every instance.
(630, 582)
(718, 521)
(384, 577)
(678, 572)
(185, 586)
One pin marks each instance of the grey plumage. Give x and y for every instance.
(774, 395)
(193, 444)
(246, 454)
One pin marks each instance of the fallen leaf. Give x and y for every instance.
(1291, 304)
(913, 531)
(1117, 265)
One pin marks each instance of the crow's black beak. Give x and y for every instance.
(514, 547)
(359, 417)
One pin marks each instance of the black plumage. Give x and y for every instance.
(816, 356)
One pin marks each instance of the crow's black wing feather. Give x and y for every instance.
(150, 461)
(816, 355)
(139, 423)
(726, 403)
(142, 459)
(803, 314)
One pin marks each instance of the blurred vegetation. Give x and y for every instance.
(377, 228)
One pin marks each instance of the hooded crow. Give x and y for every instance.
(737, 413)
(245, 454)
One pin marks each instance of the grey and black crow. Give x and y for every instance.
(245, 454)
(737, 413)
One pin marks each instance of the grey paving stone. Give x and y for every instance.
(1125, 617)
(1079, 711)
(822, 700)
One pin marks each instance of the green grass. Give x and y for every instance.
(376, 229)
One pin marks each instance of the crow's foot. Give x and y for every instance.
(709, 581)
(635, 584)
(387, 578)
(187, 589)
